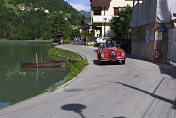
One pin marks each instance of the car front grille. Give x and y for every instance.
(112, 55)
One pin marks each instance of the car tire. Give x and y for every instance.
(123, 61)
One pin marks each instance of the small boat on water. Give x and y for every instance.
(44, 69)
(42, 64)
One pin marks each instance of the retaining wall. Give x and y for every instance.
(144, 42)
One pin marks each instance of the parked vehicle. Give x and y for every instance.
(111, 53)
(100, 40)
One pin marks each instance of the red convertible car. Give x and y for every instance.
(111, 53)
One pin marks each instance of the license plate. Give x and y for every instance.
(113, 53)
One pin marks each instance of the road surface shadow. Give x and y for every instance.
(173, 103)
(96, 62)
(120, 117)
(77, 108)
(73, 90)
(165, 68)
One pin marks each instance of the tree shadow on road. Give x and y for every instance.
(77, 108)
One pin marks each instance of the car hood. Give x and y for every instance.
(111, 50)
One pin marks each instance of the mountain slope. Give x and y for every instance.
(85, 13)
(29, 20)
(51, 5)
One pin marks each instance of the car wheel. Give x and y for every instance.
(123, 61)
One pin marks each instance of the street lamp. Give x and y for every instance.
(104, 26)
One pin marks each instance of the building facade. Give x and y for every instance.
(154, 30)
(86, 25)
(102, 12)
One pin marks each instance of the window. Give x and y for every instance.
(116, 11)
(97, 12)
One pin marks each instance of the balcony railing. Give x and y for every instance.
(101, 19)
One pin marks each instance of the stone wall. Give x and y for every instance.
(171, 55)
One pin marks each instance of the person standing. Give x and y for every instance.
(75, 40)
(78, 40)
(81, 41)
(111, 43)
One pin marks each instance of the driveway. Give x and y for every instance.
(138, 89)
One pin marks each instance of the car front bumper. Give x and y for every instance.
(117, 59)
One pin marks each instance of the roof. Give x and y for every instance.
(86, 22)
(100, 3)
(134, 0)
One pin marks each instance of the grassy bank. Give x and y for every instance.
(75, 67)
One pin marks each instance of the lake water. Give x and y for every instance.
(16, 83)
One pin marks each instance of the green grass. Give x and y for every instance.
(75, 68)
(65, 53)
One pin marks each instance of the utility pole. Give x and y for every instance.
(105, 26)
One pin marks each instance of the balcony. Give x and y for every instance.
(101, 19)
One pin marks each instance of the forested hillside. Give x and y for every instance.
(32, 19)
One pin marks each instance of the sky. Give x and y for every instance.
(80, 4)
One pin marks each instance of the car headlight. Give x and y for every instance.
(102, 54)
(123, 53)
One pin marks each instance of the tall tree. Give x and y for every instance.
(58, 26)
(121, 24)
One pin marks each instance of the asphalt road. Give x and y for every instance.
(138, 89)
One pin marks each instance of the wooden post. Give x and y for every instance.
(36, 60)
(37, 68)
(41, 57)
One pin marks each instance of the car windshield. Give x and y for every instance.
(109, 45)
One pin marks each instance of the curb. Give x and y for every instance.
(82, 56)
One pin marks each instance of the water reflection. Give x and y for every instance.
(4, 104)
(16, 83)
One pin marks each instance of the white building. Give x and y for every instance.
(46, 11)
(21, 8)
(36, 9)
(102, 12)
